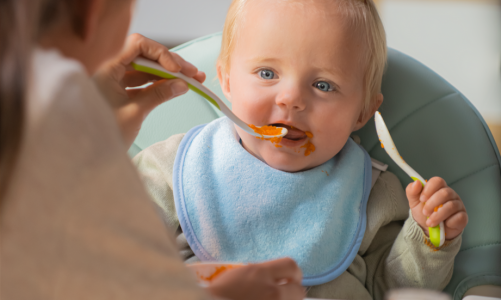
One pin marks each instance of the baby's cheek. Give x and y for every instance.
(252, 110)
(329, 141)
(328, 148)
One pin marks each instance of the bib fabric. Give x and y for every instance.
(233, 207)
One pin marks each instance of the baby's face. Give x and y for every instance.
(296, 65)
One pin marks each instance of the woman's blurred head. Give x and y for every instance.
(90, 31)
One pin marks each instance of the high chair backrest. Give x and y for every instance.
(436, 129)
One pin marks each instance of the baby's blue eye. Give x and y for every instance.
(267, 74)
(323, 86)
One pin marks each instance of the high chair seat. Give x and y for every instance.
(436, 129)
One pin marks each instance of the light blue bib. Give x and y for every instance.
(233, 207)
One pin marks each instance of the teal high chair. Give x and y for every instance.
(435, 128)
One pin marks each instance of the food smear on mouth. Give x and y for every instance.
(268, 130)
(309, 148)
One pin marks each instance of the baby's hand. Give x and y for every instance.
(438, 202)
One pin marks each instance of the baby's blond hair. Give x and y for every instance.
(362, 15)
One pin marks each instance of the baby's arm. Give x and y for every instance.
(404, 256)
(155, 166)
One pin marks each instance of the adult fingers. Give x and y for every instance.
(136, 78)
(292, 291)
(442, 213)
(413, 192)
(138, 45)
(161, 91)
(431, 187)
(284, 268)
(187, 68)
(200, 77)
(439, 198)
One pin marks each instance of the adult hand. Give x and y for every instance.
(274, 280)
(132, 106)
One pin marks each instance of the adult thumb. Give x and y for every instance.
(159, 92)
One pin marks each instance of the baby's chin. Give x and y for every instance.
(287, 162)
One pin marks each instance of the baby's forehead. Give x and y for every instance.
(323, 22)
(321, 8)
(326, 13)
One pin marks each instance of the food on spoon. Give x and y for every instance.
(268, 130)
(274, 130)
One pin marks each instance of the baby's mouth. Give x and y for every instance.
(293, 134)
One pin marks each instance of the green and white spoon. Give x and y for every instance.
(437, 233)
(151, 67)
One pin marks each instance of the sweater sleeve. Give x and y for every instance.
(155, 165)
(403, 256)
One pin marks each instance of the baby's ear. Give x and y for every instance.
(224, 81)
(365, 117)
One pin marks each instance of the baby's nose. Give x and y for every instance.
(291, 99)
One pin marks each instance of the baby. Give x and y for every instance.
(314, 67)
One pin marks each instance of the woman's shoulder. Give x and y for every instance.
(64, 104)
(52, 74)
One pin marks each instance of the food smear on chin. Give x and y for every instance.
(268, 130)
(309, 148)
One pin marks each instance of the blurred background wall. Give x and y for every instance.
(458, 39)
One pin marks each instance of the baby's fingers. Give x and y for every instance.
(457, 222)
(443, 212)
(432, 187)
(440, 197)
(413, 192)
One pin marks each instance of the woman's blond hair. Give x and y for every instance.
(362, 15)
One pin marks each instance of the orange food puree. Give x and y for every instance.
(268, 130)
(219, 271)
(309, 148)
